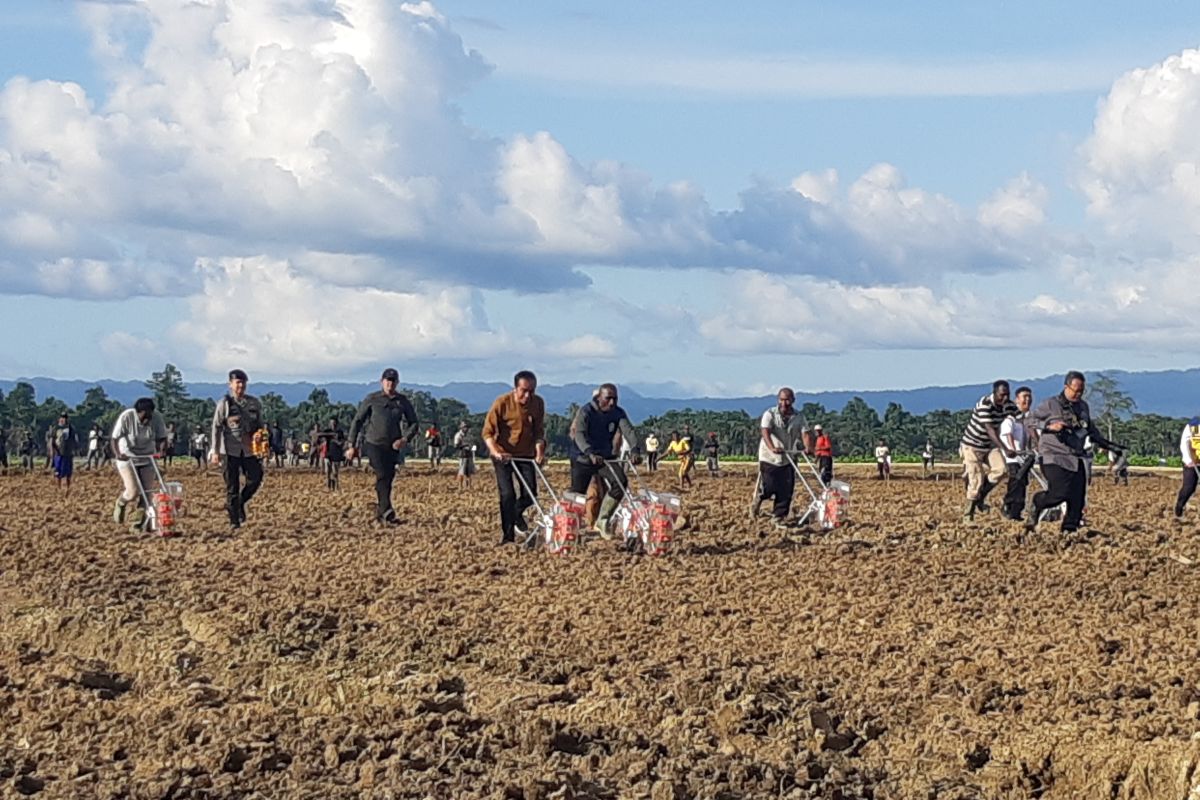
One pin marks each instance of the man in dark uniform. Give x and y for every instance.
(388, 421)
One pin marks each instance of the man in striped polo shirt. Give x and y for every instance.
(982, 450)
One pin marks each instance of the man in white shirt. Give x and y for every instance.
(781, 430)
(1189, 447)
(1016, 437)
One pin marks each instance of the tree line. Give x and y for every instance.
(855, 430)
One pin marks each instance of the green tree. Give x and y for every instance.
(169, 391)
(1108, 401)
(21, 405)
(96, 406)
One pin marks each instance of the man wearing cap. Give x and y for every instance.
(388, 421)
(596, 428)
(824, 450)
(237, 418)
(514, 428)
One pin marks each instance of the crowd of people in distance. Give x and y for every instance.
(1007, 439)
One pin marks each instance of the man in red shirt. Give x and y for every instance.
(824, 450)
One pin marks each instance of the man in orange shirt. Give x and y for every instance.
(515, 428)
(824, 455)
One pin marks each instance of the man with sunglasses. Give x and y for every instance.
(1065, 423)
(596, 427)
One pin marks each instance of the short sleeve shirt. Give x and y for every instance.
(135, 438)
(783, 433)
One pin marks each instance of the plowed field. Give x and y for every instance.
(314, 655)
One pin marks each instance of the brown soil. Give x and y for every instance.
(313, 655)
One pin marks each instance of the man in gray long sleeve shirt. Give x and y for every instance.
(1064, 423)
(595, 429)
(389, 422)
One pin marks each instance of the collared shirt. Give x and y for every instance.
(1063, 448)
(785, 433)
(234, 424)
(516, 429)
(384, 418)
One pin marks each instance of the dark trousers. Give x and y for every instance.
(1065, 485)
(237, 495)
(514, 498)
(1187, 490)
(780, 483)
(1014, 495)
(612, 477)
(652, 461)
(382, 459)
(825, 468)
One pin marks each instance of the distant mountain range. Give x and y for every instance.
(1174, 393)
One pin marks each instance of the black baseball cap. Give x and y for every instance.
(238, 374)
(390, 374)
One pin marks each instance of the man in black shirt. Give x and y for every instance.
(389, 422)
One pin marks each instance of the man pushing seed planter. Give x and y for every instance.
(596, 427)
(515, 435)
(138, 435)
(781, 431)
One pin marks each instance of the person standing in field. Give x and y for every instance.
(712, 455)
(682, 448)
(927, 459)
(387, 422)
(983, 453)
(464, 447)
(63, 445)
(1064, 424)
(883, 460)
(236, 419)
(200, 448)
(139, 433)
(433, 441)
(824, 449)
(1016, 436)
(652, 451)
(95, 441)
(172, 436)
(334, 440)
(514, 428)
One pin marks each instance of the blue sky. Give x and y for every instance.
(719, 197)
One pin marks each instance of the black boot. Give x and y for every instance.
(984, 490)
